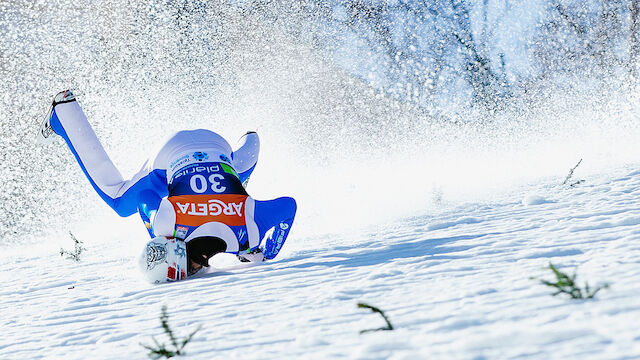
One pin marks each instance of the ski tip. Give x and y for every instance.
(45, 132)
(63, 97)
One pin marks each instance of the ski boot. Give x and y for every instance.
(45, 135)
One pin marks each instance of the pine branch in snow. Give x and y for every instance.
(565, 284)
(77, 251)
(376, 310)
(568, 178)
(160, 350)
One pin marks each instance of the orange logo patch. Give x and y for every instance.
(195, 210)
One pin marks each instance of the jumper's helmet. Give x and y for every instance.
(164, 259)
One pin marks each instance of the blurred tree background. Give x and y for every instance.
(482, 52)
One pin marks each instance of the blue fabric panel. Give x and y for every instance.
(241, 234)
(278, 213)
(245, 175)
(127, 203)
(148, 202)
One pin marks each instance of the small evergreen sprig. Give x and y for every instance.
(566, 284)
(160, 350)
(570, 175)
(376, 310)
(77, 251)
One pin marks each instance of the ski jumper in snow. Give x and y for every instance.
(191, 188)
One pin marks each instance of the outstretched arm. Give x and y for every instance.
(245, 157)
(279, 215)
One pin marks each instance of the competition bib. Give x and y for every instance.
(207, 178)
(207, 192)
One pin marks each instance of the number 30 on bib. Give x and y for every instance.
(199, 183)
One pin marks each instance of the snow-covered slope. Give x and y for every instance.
(455, 284)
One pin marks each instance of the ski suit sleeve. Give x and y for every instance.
(245, 157)
(279, 215)
(69, 121)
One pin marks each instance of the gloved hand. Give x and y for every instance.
(254, 255)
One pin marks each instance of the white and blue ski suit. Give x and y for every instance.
(192, 187)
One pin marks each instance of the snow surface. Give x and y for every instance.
(455, 284)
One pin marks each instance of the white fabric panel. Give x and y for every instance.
(219, 230)
(252, 227)
(247, 154)
(164, 221)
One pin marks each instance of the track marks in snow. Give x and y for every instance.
(115, 337)
(554, 253)
(462, 220)
(598, 224)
